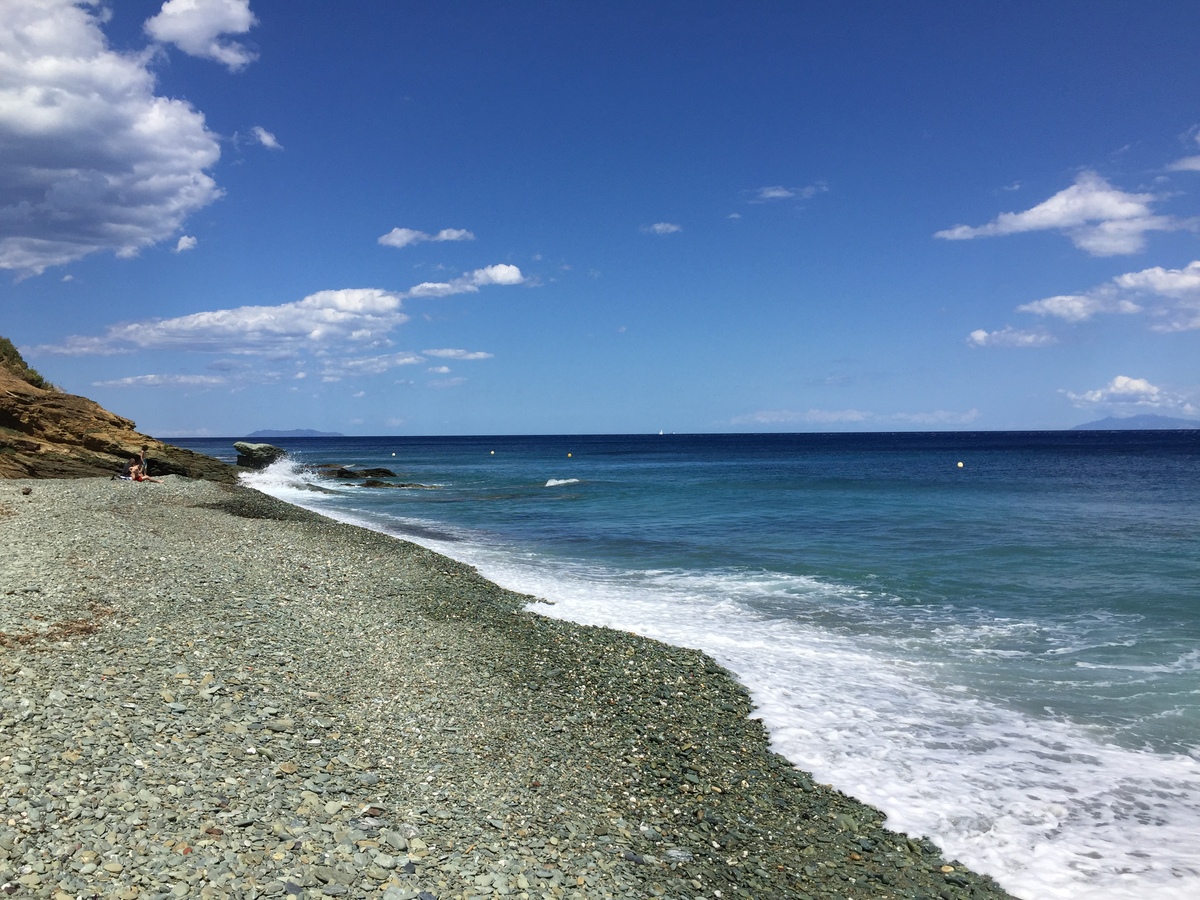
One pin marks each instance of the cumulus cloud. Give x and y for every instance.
(1009, 337)
(1169, 297)
(197, 27)
(1124, 394)
(1098, 218)
(328, 330)
(470, 282)
(1081, 307)
(355, 315)
(662, 228)
(1180, 284)
(265, 138)
(186, 242)
(92, 160)
(775, 192)
(404, 237)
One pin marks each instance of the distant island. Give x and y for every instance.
(295, 432)
(1137, 423)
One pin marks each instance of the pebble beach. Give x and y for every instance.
(206, 692)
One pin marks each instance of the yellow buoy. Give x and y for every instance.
(960, 465)
(568, 456)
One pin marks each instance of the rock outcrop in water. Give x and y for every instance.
(46, 433)
(257, 456)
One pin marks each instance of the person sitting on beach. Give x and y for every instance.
(127, 469)
(137, 474)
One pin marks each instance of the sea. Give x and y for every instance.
(993, 637)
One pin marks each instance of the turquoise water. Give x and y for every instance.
(1003, 655)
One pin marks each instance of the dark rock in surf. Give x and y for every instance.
(376, 483)
(334, 470)
(257, 456)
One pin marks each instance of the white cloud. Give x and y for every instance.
(439, 370)
(186, 242)
(404, 237)
(498, 274)
(1180, 284)
(265, 138)
(1170, 297)
(1124, 393)
(337, 369)
(92, 159)
(1081, 307)
(1098, 218)
(775, 192)
(1188, 163)
(447, 383)
(346, 317)
(164, 381)
(357, 315)
(662, 228)
(197, 26)
(1009, 337)
(469, 282)
(458, 354)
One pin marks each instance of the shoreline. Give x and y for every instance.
(260, 701)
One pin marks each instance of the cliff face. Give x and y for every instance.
(45, 433)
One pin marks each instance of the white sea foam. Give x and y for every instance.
(290, 481)
(1188, 662)
(1047, 807)
(557, 482)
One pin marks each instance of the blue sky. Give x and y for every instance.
(380, 217)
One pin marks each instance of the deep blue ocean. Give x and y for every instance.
(993, 637)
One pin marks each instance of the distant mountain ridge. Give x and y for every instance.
(1144, 422)
(295, 432)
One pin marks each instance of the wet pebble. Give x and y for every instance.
(254, 701)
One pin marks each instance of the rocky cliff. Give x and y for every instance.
(45, 433)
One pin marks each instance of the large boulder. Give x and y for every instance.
(257, 456)
(45, 433)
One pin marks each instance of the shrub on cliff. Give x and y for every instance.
(11, 359)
